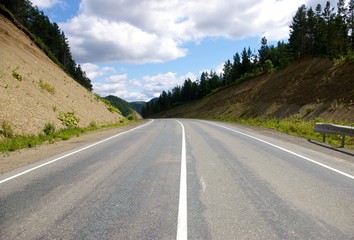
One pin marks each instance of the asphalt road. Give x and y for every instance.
(197, 179)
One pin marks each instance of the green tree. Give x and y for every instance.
(268, 66)
(204, 84)
(227, 73)
(246, 65)
(350, 24)
(236, 67)
(340, 30)
(297, 39)
(263, 51)
(320, 48)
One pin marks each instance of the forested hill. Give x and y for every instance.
(121, 104)
(46, 35)
(325, 32)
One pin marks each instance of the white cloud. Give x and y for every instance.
(93, 71)
(143, 89)
(45, 3)
(142, 31)
(98, 40)
(220, 68)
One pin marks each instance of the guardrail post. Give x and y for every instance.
(343, 141)
(327, 128)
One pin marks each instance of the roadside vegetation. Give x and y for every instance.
(297, 126)
(11, 142)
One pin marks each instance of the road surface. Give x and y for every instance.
(179, 179)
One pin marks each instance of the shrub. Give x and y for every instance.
(93, 124)
(68, 119)
(49, 129)
(309, 109)
(132, 117)
(16, 75)
(350, 57)
(6, 130)
(268, 66)
(46, 86)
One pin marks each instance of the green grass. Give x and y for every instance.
(16, 75)
(47, 87)
(16, 142)
(297, 126)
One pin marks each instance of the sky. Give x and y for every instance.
(135, 49)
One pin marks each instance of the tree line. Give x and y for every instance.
(322, 33)
(38, 24)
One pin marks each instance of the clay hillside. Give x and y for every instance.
(34, 91)
(309, 88)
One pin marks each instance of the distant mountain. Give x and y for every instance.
(138, 105)
(125, 107)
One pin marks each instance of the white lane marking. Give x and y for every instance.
(286, 150)
(203, 183)
(182, 206)
(72, 153)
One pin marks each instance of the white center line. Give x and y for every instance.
(286, 150)
(72, 153)
(182, 207)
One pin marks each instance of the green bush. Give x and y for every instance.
(16, 75)
(49, 129)
(6, 130)
(132, 117)
(68, 119)
(268, 66)
(350, 57)
(46, 86)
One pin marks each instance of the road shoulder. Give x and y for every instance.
(13, 160)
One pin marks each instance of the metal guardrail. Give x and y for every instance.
(327, 128)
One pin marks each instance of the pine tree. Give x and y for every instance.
(263, 51)
(350, 24)
(310, 32)
(320, 48)
(227, 73)
(236, 67)
(297, 39)
(341, 30)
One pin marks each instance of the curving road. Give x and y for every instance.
(182, 179)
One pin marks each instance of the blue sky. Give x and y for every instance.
(135, 49)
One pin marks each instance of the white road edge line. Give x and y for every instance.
(286, 150)
(182, 206)
(72, 153)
